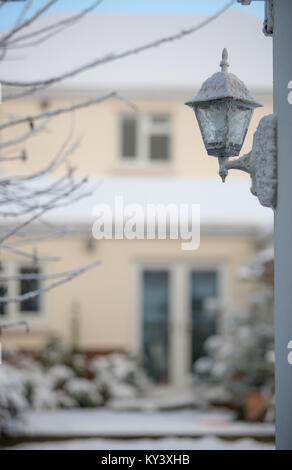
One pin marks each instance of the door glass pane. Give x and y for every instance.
(203, 288)
(155, 324)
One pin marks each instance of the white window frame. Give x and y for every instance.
(179, 358)
(13, 312)
(145, 128)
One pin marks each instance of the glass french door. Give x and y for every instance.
(176, 321)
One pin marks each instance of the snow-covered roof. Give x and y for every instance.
(224, 85)
(222, 206)
(181, 64)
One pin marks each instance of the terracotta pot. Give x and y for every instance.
(255, 405)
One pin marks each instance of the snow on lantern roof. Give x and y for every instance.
(224, 84)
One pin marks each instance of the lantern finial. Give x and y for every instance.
(224, 62)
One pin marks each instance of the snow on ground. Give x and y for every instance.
(101, 423)
(205, 443)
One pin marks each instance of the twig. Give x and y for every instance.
(12, 324)
(33, 256)
(36, 276)
(42, 290)
(22, 157)
(37, 85)
(26, 23)
(27, 135)
(43, 238)
(50, 206)
(68, 109)
(59, 26)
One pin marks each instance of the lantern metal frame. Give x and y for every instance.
(261, 162)
(233, 149)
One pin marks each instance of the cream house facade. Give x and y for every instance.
(148, 297)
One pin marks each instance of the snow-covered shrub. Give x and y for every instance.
(49, 388)
(44, 392)
(12, 398)
(118, 376)
(59, 375)
(61, 378)
(114, 376)
(56, 352)
(240, 362)
(83, 392)
(203, 366)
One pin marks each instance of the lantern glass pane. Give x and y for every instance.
(212, 119)
(223, 125)
(238, 122)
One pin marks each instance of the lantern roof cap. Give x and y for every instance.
(224, 85)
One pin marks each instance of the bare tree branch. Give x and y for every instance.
(44, 238)
(39, 213)
(26, 23)
(13, 324)
(21, 156)
(38, 85)
(57, 112)
(37, 276)
(24, 199)
(33, 256)
(17, 140)
(25, 8)
(52, 29)
(42, 290)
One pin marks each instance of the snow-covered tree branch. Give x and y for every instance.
(25, 199)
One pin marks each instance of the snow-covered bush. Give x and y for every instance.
(56, 352)
(83, 392)
(44, 390)
(114, 376)
(61, 378)
(12, 398)
(240, 362)
(117, 376)
(58, 387)
(59, 375)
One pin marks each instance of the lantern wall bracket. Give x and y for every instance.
(260, 162)
(268, 25)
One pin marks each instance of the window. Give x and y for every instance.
(3, 293)
(145, 138)
(23, 279)
(129, 137)
(30, 284)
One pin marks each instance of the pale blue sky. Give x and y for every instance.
(10, 11)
